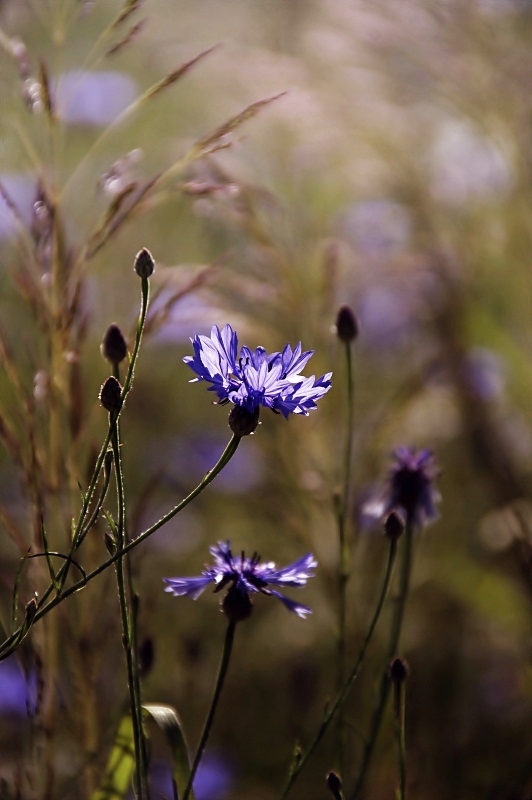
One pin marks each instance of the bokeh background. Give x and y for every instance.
(393, 174)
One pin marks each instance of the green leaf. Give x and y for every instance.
(167, 720)
(120, 766)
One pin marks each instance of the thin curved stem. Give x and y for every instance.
(224, 664)
(397, 623)
(342, 695)
(17, 636)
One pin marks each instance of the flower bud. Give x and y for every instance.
(144, 263)
(30, 611)
(242, 421)
(398, 670)
(394, 525)
(110, 394)
(334, 785)
(114, 347)
(110, 543)
(346, 325)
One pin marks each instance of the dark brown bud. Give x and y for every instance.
(110, 543)
(110, 394)
(29, 612)
(243, 422)
(114, 346)
(346, 325)
(394, 525)
(398, 670)
(334, 785)
(236, 605)
(144, 263)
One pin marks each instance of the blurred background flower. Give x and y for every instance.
(393, 176)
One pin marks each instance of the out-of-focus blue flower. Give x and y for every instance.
(412, 487)
(213, 780)
(93, 98)
(244, 576)
(17, 196)
(254, 378)
(16, 691)
(484, 374)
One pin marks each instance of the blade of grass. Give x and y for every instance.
(167, 720)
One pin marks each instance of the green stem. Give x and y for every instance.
(397, 622)
(226, 656)
(128, 618)
(344, 565)
(12, 642)
(342, 695)
(401, 739)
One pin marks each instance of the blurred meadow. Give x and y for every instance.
(310, 154)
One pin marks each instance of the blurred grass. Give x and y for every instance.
(422, 106)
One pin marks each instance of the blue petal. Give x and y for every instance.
(188, 587)
(295, 574)
(298, 608)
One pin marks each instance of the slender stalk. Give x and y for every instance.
(342, 695)
(12, 642)
(397, 622)
(401, 739)
(344, 565)
(226, 655)
(128, 618)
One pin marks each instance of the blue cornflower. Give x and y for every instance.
(253, 378)
(412, 487)
(245, 576)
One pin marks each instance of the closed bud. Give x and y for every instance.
(144, 263)
(346, 324)
(243, 422)
(114, 346)
(394, 525)
(110, 543)
(334, 785)
(110, 394)
(398, 670)
(29, 612)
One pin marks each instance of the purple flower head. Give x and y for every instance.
(254, 378)
(412, 487)
(245, 576)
